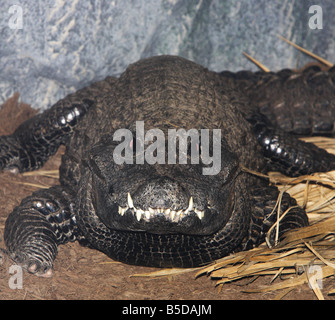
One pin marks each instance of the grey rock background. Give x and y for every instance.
(65, 45)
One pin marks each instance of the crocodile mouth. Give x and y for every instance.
(168, 213)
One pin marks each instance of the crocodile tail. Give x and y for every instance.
(301, 103)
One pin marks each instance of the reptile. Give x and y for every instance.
(161, 213)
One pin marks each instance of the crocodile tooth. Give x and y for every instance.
(139, 214)
(200, 213)
(152, 211)
(190, 204)
(147, 214)
(122, 210)
(130, 201)
(172, 214)
(180, 214)
(167, 211)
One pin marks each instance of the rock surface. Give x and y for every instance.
(50, 48)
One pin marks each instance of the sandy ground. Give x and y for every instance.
(82, 273)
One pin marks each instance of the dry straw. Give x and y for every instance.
(295, 258)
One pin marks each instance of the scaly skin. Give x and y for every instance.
(167, 92)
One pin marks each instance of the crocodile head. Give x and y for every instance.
(162, 197)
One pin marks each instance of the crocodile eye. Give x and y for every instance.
(193, 149)
(131, 145)
(190, 149)
(136, 145)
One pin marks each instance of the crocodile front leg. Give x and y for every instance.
(35, 140)
(286, 153)
(38, 225)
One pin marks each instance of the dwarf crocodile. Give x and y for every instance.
(165, 214)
